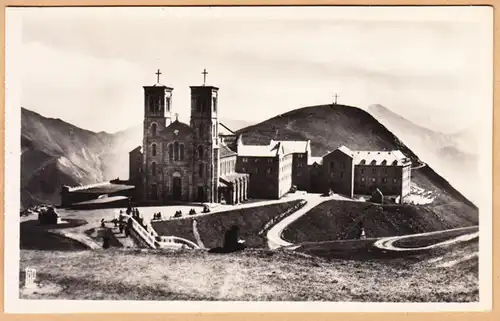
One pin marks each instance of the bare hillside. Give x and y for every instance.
(329, 126)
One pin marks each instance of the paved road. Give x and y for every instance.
(274, 235)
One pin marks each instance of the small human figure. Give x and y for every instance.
(363, 234)
(105, 239)
(102, 223)
(129, 227)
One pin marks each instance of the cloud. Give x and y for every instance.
(81, 63)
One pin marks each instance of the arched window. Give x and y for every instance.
(151, 103)
(168, 103)
(153, 168)
(176, 151)
(200, 152)
(153, 129)
(153, 149)
(200, 130)
(181, 152)
(200, 169)
(170, 152)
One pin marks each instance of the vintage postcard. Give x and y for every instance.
(198, 159)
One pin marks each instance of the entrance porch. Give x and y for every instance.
(233, 189)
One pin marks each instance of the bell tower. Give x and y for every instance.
(157, 115)
(204, 122)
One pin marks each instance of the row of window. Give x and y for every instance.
(199, 104)
(299, 165)
(332, 165)
(176, 151)
(383, 180)
(154, 130)
(374, 170)
(156, 103)
(256, 160)
(332, 174)
(201, 169)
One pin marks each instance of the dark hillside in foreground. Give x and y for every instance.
(339, 220)
(330, 126)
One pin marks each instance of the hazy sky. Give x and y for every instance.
(88, 65)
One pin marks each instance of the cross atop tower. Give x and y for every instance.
(335, 96)
(204, 73)
(158, 73)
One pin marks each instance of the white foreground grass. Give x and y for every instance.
(252, 275)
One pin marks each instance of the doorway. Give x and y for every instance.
(201, 194)
(177, 188)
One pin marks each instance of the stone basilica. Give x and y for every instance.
(178, 162)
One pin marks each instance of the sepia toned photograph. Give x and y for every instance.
(232, 158)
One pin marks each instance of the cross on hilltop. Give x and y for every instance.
(335, 96)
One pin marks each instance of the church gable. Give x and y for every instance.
(178, 131)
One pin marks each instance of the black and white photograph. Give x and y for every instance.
(199, 159)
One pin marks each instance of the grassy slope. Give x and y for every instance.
(337, 220)
(251, 275)
(212, 227)
(329, 126)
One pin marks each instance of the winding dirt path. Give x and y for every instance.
(387, 243)
(274, 235)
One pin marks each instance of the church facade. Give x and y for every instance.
(180, 162)
(200, 162)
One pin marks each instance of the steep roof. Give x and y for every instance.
(176, 124)
(224, 130)
(390, 158)
(315, 159)
(138, 148)
(225, 151)
(258, 150)
(293, 146)
(346, 150)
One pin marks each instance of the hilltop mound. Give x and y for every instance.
(330, 126)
